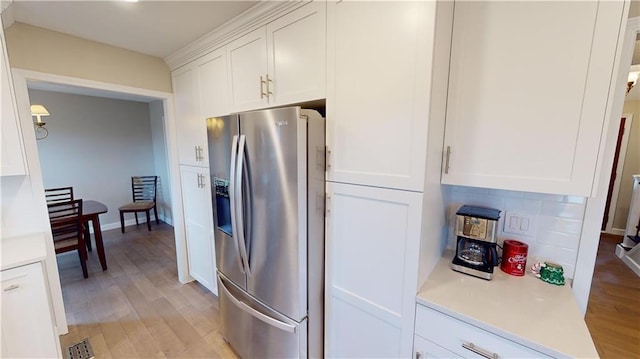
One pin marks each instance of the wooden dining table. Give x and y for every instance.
(91, 211)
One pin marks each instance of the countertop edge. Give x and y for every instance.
(492, 329)
(21, 250)
(446, 291)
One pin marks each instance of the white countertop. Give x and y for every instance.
(542, 316)
(18, 251)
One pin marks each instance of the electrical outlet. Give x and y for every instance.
(519, 223)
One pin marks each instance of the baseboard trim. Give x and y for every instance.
(131, 222)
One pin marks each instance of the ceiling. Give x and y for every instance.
(156, 28)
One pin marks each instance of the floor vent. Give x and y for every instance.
(81, 350)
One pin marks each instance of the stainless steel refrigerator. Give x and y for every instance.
(268, 171)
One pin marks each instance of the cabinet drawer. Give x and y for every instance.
(423, 348)
(452, 334)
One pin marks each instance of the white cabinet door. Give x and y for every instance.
(378, 88)
(297, 55)
(212, 79)
(27, 324)
(12, 160)
(423, 349)
(198, 218)
(373, 240)
(191, 127)
(528, 89)
(247, 71)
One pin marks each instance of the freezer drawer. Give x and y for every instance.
(256, 331)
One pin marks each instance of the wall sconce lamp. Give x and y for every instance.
(632, 79)
(38, 111)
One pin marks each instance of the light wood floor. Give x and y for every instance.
(137, 308)
(613, 313)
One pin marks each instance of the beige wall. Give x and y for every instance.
(631, 166)
(634, 10)
(42, 50)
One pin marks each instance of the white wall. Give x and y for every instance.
(156, 114)
(631, 167)
(95, 145)
(558, 220)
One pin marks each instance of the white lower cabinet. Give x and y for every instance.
(373, 240)
(27, 323)
(463, 339)
(198, 219)
(423, 348)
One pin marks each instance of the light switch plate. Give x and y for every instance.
(520, 223)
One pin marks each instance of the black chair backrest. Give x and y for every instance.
(57, 195)
(66, 220)
(143, 188)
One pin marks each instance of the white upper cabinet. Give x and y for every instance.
(378, 92)
(247, 58)
(528, 90)
(212, 79)
(12, 161)
(297, 46)
(281, 63)
(191, 126)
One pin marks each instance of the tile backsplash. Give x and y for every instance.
(554, 229)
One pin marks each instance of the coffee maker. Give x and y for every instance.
(476, 230)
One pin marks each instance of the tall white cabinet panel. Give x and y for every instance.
(247, 58)
(12, 161)
(198, 217)
(191, 127)
(297, 55)
(27, 324)
(373, 239)
(214, 91)
(522, 117)
(378, 88)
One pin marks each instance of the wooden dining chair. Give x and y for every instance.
(143, 191)
(65, 194)
(67, 229)
(57, 195)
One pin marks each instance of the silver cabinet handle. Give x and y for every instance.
(11, 287)
(262, 93)
(196, 150)
(268, 91)
(202, 181)
(483, 353)
(418, 355)
(327, 158)
(446, 163)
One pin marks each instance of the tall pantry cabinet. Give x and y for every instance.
(198, 94)
(382, 92)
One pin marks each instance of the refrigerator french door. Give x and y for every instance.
(268, 172)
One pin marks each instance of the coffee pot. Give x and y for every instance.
(476, 231)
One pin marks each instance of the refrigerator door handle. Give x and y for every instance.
(239, 210)
(232, 192)
(265, 318)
